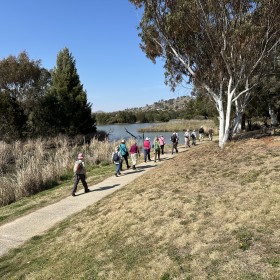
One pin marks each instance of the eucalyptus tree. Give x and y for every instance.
(23, 82)
(71, 112)
(218, 45)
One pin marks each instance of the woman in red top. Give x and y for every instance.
(134, 153)
(147, 149)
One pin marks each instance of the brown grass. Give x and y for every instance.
(181, 125)
(27, 168)
(206, 214)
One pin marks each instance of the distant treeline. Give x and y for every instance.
(195, 108)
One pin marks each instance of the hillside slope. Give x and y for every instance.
(206, 214)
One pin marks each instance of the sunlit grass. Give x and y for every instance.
(172, 223)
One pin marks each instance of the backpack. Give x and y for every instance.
(192, 136)
(173, 138)
(78, 167)
(156, 146)
(116, 157)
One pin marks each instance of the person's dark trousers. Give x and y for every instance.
(147, 154)
(126, 161)
(174, 147)
(162, 149)
(79, 177)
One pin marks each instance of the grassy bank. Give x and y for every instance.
(180, 125)
(207, 214)
(28, 168)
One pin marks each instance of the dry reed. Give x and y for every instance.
(29, 167)
(181, 125)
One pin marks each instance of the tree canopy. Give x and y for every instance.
(37, 102)
(217, 45)
(22, 84)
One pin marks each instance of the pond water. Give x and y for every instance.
(121, 131)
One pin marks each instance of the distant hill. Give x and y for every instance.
(170, 104)
(163, 105)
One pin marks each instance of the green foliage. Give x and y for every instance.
(244, 237)
(22, 84)
(72, 113)
(165, 276)
(12, 117)
(220, 47)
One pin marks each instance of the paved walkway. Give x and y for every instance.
(15, 233)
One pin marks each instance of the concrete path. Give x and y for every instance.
(17, 232)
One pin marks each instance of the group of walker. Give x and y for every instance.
(157, 146)
(121, 154)
(192, 136)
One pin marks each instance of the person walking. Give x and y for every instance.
(124, 153)
(117, 160)
(210, 133)
(134, 153)
(201, 133)
(187, 138)
(147, 149)
(162, 143)
(193, 136)
(174, 143)
(157, 148)
(79, 170)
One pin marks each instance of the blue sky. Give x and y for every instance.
(102, 37)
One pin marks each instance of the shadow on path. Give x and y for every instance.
(105, 188)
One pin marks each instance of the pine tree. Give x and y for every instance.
(71, 112)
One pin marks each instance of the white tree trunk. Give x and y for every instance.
(221, 117)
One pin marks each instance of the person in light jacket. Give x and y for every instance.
(162, 143)
(117, 160)
(79, 170)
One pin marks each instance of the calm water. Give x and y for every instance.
(118, 131)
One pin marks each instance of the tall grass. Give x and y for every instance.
(29, 167)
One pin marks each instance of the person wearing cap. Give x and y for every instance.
(124, 153)
(162, 143)
(147, 149)
(79, 174)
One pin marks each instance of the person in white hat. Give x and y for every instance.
(79, 174)
(147, 149)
